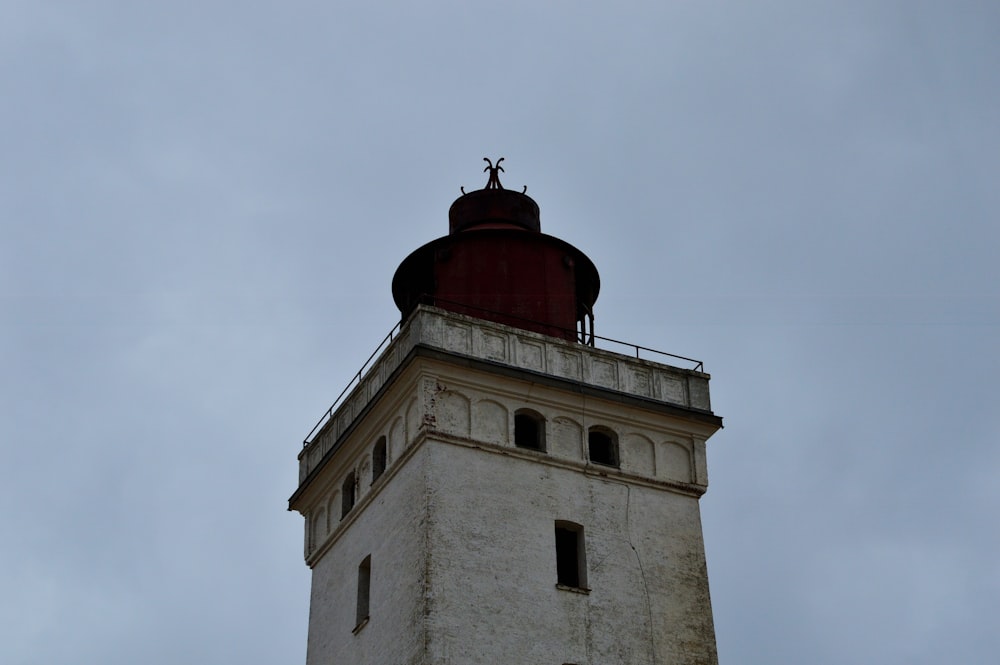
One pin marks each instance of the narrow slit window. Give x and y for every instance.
(529, 430)
(347, 494)
(571, 557)
(602, 445)
(364, 590)
(378, 459)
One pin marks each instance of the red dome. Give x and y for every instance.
(497, 265)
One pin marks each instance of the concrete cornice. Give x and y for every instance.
(517, 354)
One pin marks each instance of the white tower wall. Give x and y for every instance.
(460, 529)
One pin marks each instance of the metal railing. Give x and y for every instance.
(699, 366)
(356, 379)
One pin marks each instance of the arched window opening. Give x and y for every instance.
(529, 430)
(347, 495)
(602, 445)
(378, 459)
(571, 555)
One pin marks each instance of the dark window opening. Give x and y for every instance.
(571, 562)
(364, 589)
(603, 447)
(347, 494)
(529, 430)
(378, 459)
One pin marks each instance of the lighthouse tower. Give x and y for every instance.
(495, 488)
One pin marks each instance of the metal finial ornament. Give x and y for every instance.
(494, 181)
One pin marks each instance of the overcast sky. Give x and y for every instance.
(202, 205)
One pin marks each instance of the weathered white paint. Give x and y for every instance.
(460, 527)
